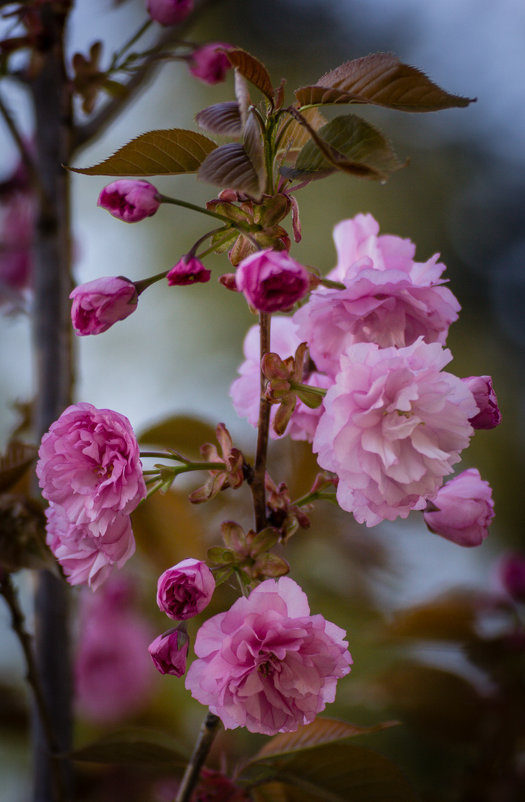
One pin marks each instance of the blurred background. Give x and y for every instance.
(436, 641)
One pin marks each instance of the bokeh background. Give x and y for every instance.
(453, 671)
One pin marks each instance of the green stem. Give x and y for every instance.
(317, 495)
(144, 283)
(232, 223)
(114, 66)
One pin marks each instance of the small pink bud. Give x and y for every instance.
(170, 650)
(188, 271)
(228, 280)
(169, 12)
(462, 509)
(271, 280)
(185, 589)
(208, 64)
(130, 200)
(512, 574)
(481, 388)
(100, 303)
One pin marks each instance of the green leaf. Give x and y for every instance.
(167, 152)
(320, 731)
(182, 433)
(347, 143)
(223, 241)
(271, 565)
(14, 463)
(221, 118)
(135, 747)
(229, 166)
(295, 136)
(217, 555)
(334, 772)
(263, 541)
(381, 79)
(252, 69)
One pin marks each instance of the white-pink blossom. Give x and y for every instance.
(394, 424)
(267, 664)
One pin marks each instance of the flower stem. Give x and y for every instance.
(206, 737)
(8, 591)
(233, 223)
(258, 482)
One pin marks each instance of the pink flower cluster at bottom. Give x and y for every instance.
(267, 664)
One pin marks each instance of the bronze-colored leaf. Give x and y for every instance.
(451, 617)
(182, 433)
(252, 69)
(347, 143)
(135, 747)
(381, 79)
(254, 147)
(165, 152)
(242, 93)
(320, 731)
(295, 136)
(221, 118)
(14, 463)
(229, 166)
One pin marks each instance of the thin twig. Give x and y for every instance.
(208, 731)
(25, 154)
(8, 591)
(258, 483)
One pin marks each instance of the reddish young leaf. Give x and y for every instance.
(252, 69)
(380, 78)
(229, 166)
(221, 118)
(166, 152)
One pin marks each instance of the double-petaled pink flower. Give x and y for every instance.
(389, 299)
(271, 280)
(267, 664)
(185, 589)
(394, 424)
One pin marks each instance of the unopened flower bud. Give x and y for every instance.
(100, 303)
(228, 280)
(462, 509)
(209, 64)
(169, 651)
(169, 12)
(188, 271)
(481, 388)
(271, 280)
(130, 200)
(185, 589)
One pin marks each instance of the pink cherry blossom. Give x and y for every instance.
(394, 425)
(209, 64)
(488, 416)
(188, 271)
(511, 571)
(245, 391)
(130, 200)
(113, 677)
(388, 298)
(88, 559)
(89, 465)
(169, 651)
(267, 664)
(462, 510)
(271, 280)
(169, 12)
(100, 303)
(185, 589)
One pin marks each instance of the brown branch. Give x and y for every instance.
(208, 731)
(258, 483)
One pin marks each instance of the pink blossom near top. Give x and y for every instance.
(488, 416)
(511, 573)
(245, 391)
(188, 271)
(169, 652)
(169, 12)
(389, 299)
(88, 559)
(185, 589)
(394, 424)
(130, 200)
(89, 465)
(271, 280)
(209, 64)
(464, 509)
(267, 664)
(100, 303)
(113, 676)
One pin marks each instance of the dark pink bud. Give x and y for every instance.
(170, 651)
(185, 589)
(271, 280)
(208, 64)
(100, 303)
(130, 200)
(228, 280)
(512, 574)
(188, 271)
(462, 509)
(489, 415)
(169, 12)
